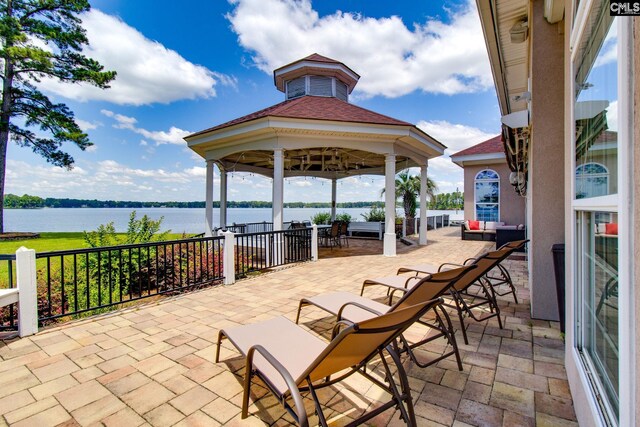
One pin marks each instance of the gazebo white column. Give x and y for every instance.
(223, 198)
(390, 205)
(208, 197)
(422, 238)
(278, 187)
(333, 198)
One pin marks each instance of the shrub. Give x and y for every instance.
(374, 215)
(344, 217)
(321, 218)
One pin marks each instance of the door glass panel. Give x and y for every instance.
(598, 254)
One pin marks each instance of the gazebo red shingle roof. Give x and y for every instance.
(490, 146)
(315, 108)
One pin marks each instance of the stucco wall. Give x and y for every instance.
(546, 167)
(511, 205)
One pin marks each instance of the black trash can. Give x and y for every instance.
(558, 267)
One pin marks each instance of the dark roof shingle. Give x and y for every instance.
(490, 146)
(315, 108)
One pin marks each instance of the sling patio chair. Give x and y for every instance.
(290, 360)
(498, 276)
(345, 305)
(465, 302)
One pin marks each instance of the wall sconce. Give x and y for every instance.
(519, 32)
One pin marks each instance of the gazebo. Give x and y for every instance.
(316, 132)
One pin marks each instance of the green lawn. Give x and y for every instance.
(45, 243)
(55, 242)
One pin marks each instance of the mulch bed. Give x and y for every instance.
(18, 236)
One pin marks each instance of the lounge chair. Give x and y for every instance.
(290, 360)
(465, 302)
(497, 277)
(500, 275)
(345, 305)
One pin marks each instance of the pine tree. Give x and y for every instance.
(42, 39)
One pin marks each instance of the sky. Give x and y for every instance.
(184, 69)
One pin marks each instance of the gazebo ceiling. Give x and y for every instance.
(322, 162)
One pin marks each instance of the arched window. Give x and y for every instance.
(487, 195)
(592, 180)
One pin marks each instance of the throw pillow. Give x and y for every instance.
(611, 228)
(474, 225)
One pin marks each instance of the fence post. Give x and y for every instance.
(27, 288)
(404, 227)
(314, 242)
(229, 258)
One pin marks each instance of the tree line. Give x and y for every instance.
(27, 201)
(453, 200)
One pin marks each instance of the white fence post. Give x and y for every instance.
(27, 288)
(314, 242)
(229, 258)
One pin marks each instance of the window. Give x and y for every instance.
(320, 86)
(596, 207)
(487, 195)
(341, 90)
(296, 88)
(592, 180)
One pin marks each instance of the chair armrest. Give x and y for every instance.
(288, 379)
(449, 264)
(355, 304)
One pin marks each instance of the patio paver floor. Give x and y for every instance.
(154, 364)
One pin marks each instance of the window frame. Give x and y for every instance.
(619, 203)
(475, 195)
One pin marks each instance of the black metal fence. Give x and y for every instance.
(252, 227)
(261, 250)
(74, 282)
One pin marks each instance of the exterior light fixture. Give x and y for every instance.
(520, 31)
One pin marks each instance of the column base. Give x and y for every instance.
(389, 244)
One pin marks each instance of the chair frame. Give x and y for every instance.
(463, 301)
(400, 397)
(442, 319)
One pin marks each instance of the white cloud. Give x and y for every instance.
(85, 125)
(392, 59)
(612, 116)
(455, 136)
(147, 71)
(173, 136)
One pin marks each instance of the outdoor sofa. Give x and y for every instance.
(492, 231)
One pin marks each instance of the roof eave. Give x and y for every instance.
(475, 159)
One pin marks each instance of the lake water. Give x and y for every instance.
(177, 220)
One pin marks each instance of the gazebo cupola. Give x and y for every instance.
(316, 75)
(315, 132)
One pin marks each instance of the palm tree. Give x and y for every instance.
(408, 189)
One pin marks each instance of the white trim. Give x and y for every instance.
(459, 160)
(475, 200)
(316, 64)
(579, 25)
(626, 319)
(621, 204)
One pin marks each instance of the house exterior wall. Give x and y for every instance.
(512, 206)
(545, 205)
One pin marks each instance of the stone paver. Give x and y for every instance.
(154, 364)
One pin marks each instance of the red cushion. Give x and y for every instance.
(611, 228)
(474, 225)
